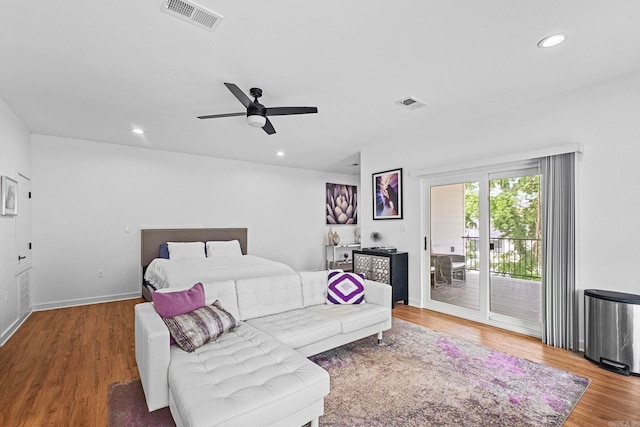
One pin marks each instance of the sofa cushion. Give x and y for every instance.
(192, 330)
(246, 377)
(298, 328)
(354, 317)
(345, 288)
(314, 287)
(263, 296)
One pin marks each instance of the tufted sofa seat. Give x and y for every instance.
(258, 373)
(244, 378)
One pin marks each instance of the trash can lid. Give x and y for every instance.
(613, 296)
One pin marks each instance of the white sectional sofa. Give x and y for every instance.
(257, 373)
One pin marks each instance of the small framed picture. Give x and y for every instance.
(9, 196)
(387, 194)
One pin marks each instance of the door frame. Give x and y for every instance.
(483, 314)
(23, 231)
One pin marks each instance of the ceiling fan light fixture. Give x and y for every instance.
(256, 121)
(256, 112)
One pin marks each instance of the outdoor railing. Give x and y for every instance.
(518, 258)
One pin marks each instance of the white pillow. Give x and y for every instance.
(220, 249)
(185, 250)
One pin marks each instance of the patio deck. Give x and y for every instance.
(511, 297)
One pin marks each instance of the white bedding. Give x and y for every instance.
(164, 273)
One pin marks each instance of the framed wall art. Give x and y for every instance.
(341, 204)
(387, 194)
(9, 196)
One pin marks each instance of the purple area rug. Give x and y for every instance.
(420, 377)
(127, 407)
(417, 377)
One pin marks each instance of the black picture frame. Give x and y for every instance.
(387, 194)
(341, 204)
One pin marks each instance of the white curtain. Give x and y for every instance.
(559, 295)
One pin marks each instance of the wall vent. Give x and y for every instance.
(193, 13)
(411, 103)
(24, 293)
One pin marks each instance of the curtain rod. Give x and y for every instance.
(574, 147)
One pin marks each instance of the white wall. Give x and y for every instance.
(447, 219)
(604, 117)
(85, 193)
(14, 159)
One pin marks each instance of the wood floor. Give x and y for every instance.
(56, 368)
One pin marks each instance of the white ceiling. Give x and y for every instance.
(95, 69)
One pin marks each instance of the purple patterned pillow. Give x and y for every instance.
(345, 288)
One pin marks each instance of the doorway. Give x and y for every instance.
(483, 247)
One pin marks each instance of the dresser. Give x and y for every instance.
(391, 268)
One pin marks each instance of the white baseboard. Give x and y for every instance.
(13, 328)
(85, 301)
(414, 302)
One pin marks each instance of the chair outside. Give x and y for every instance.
(448, 267)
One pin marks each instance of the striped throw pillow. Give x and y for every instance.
(198, 327)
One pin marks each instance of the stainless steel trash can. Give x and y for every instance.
(612, 330)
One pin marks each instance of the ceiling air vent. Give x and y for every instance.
(193, 13)
(411, 103)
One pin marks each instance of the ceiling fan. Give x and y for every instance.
(257, 113)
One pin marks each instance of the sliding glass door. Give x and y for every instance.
(515, 245)
(483, 247)
(453, 282)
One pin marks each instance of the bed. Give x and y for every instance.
(160, 272)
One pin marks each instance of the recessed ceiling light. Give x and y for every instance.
(280, 153)
(137, 130)
(552, 40)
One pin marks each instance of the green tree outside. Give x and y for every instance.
(515, 215)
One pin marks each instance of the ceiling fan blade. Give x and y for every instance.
(238, 93)
(285, 111)
(215, 116)
(268, 127)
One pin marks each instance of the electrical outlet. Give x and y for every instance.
(127, 229)
(453, 248)
(100, 274)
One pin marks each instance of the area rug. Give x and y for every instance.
(127, 407)
(420, 377)
(417, 377)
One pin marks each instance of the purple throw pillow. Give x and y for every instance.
(345, 288)
(171, 304)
